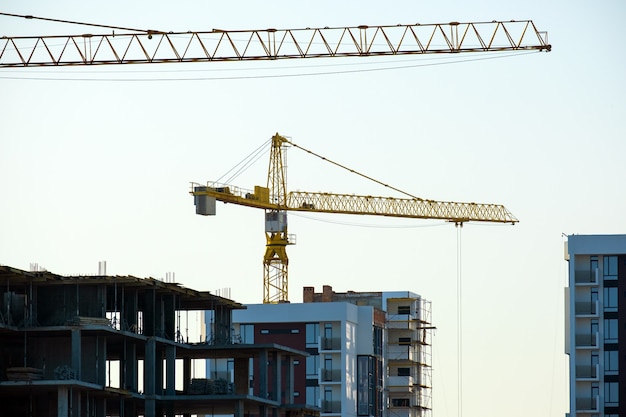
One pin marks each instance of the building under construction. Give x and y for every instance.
(112, 346)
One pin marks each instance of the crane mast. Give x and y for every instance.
(277, 201)
(275, 260)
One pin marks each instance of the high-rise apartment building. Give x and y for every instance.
(595, 325)
(369, 353)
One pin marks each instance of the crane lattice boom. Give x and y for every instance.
(320, 202)
(270, 44)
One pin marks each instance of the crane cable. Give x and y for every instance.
(355, 172)
(244, 164)
(459, 227)
(149, 31)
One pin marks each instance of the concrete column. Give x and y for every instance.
(186, 374)
(289, 380)
(76, 353)
(149, 379)
(63, 403)
(277, 373)
(239, 409)
(263, 373)
(242, 372)
(130, 364)
(170, 367)
(101, 360)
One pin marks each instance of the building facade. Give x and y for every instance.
(369, 354)
(595, 325)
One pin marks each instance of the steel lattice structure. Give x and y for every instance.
(270, 44)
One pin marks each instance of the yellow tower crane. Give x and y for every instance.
(276, 201)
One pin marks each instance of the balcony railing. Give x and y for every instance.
(587, 340)
(331, 375)
(586, 308)
(331, 407)
(586, 277)
(587, 404)
(331, 343)
(587, 372)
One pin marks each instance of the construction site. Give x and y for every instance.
(102, 345)
(110, 346)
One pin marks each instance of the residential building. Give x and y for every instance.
(114, 346)
(369, 352)
(595, 325)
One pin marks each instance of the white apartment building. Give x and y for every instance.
(595, 325)
(369, 354)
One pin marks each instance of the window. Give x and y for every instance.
(246, 332)
(404, 309)
(404, 340)
(312, 366)
(378, 340)
(363, 385)
(610, 330)
(611, 362)
(610, 298)
(611, 394)
(312, 334)
(313, 395)
(400, 402)
(593, 263)
(610, 267)
(404, 371)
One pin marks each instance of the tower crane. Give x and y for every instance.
(277, 201)
(133, 46)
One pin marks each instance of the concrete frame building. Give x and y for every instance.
(112, 346)
(369, 352)
(595, 325)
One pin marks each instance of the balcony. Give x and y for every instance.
(331, 407)
(587, 341)
(586, 277)
(331, 375)
(586, 309)
(331, 343)
(407, 382)
(403, 353)
(587, 404)
(587, 372)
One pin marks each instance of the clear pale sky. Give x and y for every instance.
(100, 170)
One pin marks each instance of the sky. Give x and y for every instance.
(95, 165)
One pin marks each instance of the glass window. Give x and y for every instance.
(404, 309)
(312, 366)
(313, 396)
(610, 330)
(611, 362)
(610, 267)
(312, 334)
(610, 298)
(363, 385)
(246, 331)
(404, 371)
(611, 394)
(400, 402)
